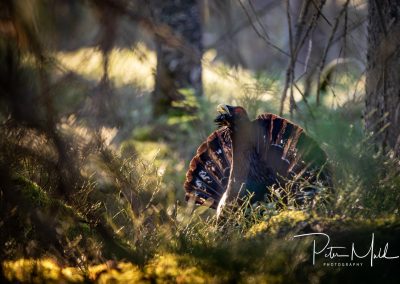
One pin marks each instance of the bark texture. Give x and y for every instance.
(179, 58)
(382, 112)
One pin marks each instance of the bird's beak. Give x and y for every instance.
(223, 109)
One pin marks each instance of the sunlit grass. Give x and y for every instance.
(133, 67)
(136, 67)
(224, 84)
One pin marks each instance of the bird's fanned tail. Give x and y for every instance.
(208, 172)
(282, 151)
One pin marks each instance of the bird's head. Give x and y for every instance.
(230, 116)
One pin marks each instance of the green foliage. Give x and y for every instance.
(77, 193)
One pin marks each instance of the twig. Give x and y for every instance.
(304, 99)
(266, 40)
(327, 48)
(320, 12)
(289, 19)
(258, 20)
(294, 51)
(240, 26)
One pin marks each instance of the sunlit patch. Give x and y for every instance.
(223, 83)
(39, 271)
(170, 268)
(108, 134)
(126, 67)
(161, 171)
(221, 204)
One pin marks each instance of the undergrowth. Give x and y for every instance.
(87, 202)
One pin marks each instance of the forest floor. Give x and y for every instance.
(125, 219)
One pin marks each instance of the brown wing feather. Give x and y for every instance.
(208, 172)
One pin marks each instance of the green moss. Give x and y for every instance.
(121, 272)
(283, 222)
(31, 192)
(79, 229)
(286, 220)
(44, 220)
(32, 196)
(40, 271)
(167, 268)
(257, 229)
(171, 268)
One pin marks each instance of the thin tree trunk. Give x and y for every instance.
(176, 67)
(382, 112)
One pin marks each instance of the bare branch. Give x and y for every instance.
(327, 48)
(263, 37)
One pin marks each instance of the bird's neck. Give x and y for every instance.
(242, 145)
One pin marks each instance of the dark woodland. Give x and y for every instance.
(171, 141)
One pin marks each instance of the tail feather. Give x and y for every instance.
(274, 130)
(282, 149)
(208, 173)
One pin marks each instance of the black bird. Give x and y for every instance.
(244, 156)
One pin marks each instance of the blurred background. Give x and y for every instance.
(104, 103)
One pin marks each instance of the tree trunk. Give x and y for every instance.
(382, 112)
(178, 65)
